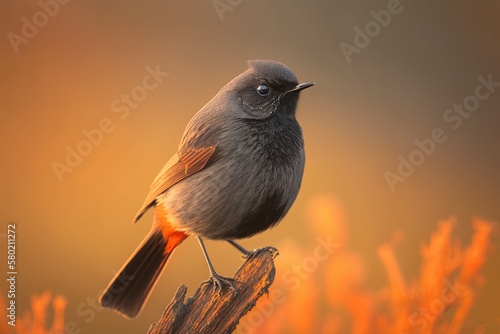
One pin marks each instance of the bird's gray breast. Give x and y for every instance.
(250, 186)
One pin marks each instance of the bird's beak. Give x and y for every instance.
(301, 86)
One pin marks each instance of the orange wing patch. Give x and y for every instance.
(183, 164)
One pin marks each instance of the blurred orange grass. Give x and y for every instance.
(438, 301)
(35, 322)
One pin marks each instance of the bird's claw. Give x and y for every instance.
(220, 283)
(274, 252)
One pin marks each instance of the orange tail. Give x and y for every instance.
(130, 288)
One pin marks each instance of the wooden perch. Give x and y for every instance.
(211, 311)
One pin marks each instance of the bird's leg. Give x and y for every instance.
(247, 253)
(239, 247)
(218, 281)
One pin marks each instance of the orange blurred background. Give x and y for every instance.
(75, 230)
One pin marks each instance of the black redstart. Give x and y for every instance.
(237, 172)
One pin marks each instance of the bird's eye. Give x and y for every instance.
(263, 90)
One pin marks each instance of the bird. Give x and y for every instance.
(237, 171)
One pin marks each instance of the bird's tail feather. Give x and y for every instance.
(132, 285)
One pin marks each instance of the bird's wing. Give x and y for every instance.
(184, 163)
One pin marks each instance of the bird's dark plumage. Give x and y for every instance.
(237, 172)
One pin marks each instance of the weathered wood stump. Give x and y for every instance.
(219, 311)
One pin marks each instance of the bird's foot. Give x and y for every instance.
(220, 283)
(274, 252)
(248, 254)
